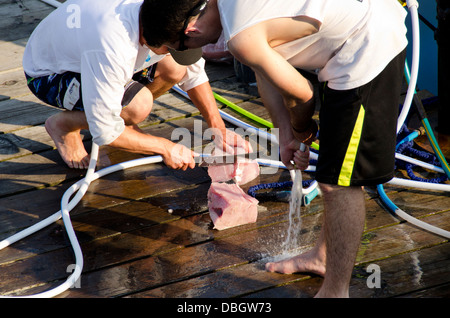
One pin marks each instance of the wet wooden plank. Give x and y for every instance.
(120, 211)
(27, 141)
(432, 198)
(124, 191)
(24, 112)
(238, 281)
(178, 266)
(439, 291)
(178, 205)
(34, 172)
(251, 280)
(424, 273)
(229, 244)
(23, 210)
(212, 254)
(407, 274)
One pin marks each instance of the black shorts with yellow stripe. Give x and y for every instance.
(358, 130)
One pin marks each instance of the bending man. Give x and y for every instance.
(356, 47)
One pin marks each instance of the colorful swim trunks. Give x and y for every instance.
(64, 90)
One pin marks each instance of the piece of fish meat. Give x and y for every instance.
(230, 206)
(241, 172)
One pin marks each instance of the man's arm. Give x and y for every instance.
(281, 118)
(203, 98)
(285, 92)
(174, 155)
(252, 48)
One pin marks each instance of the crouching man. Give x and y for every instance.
(102, 73)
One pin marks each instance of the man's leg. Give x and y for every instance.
(344, 216)
(167, 74)
(64, 128)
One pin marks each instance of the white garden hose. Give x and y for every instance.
(412, 7)
(52, 3)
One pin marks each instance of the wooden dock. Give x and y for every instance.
(145, 232)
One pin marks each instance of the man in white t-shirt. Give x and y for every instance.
(357, 49)
(89, 58)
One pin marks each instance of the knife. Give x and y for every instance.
(208, 160)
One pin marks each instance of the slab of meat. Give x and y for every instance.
(230, 206)
(241, 172)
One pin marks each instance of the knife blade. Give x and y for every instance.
(206, 161)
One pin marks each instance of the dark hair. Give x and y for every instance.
(162, 20)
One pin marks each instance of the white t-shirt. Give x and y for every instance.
(355, 42)
(100, 40)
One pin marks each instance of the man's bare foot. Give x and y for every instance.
(69, 143)
(307, 262)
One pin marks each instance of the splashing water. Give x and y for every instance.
(295, 221)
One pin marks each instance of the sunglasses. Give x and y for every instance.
(196, 11)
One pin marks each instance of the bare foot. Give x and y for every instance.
(307, 262)
(69, 144)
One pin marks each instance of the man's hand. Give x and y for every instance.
(292, 157)
(178, 157)
(228, 141)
